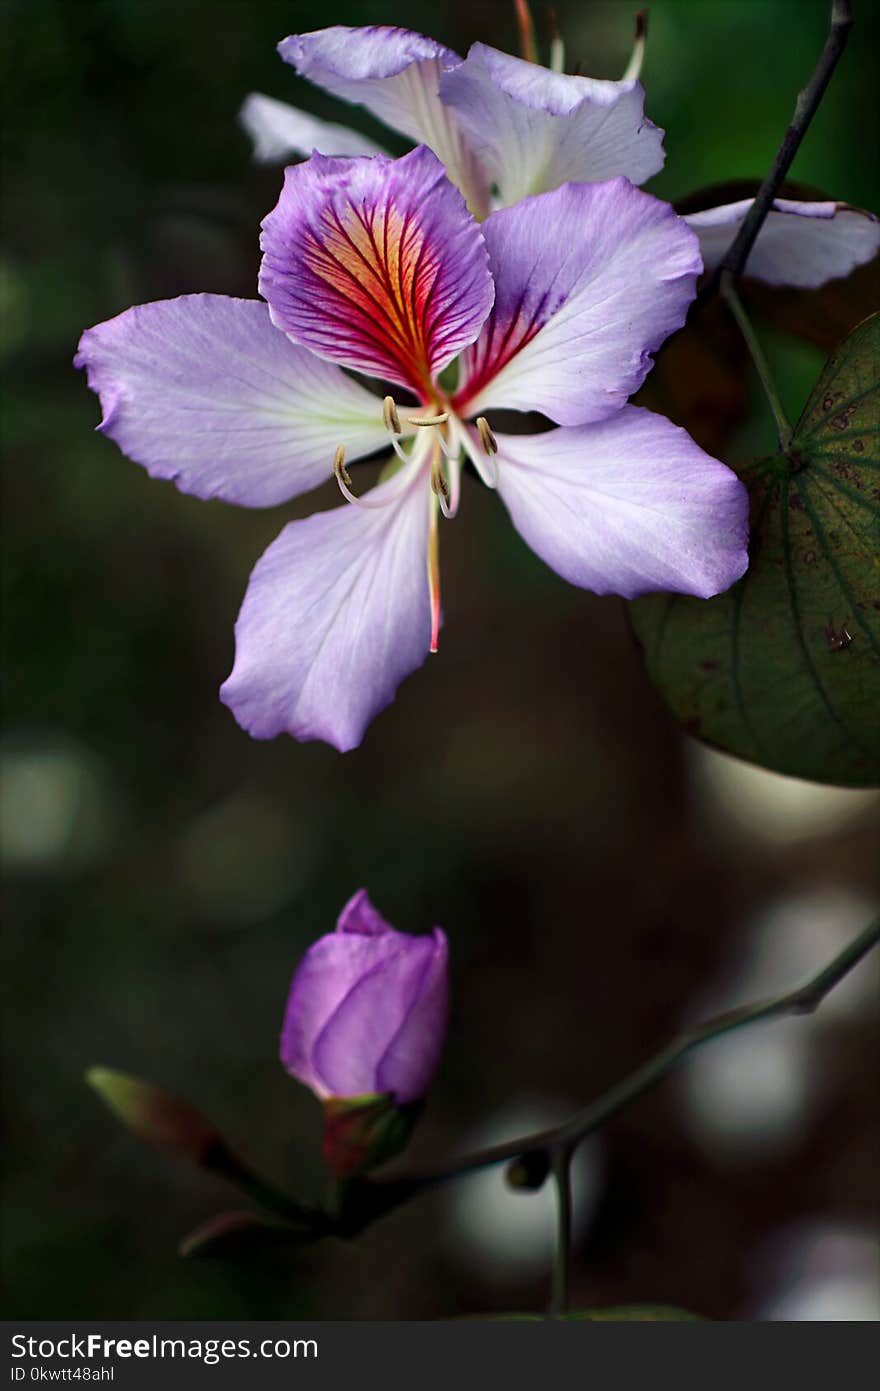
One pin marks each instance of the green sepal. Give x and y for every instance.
(361, 1132)
(155, 1116)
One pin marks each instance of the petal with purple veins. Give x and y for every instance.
(627, 506)
(203, 390)
(800, 244)
(377, 265)
(589, 281)
(336, 614)
(280, 132)
(533, 129)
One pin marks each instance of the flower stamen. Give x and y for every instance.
(557, 47)
(391, 421)
(390, 418)
(439, 419)
(487, 439)
(343, 477)
(634, 66)
(440, 487)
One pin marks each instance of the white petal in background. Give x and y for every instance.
(802, 245)
(533, 130)
(280, 132)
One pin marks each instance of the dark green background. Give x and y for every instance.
(526, 790)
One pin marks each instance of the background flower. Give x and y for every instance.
(501, 123)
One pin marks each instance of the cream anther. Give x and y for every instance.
(439, 419)
(339, 469)
(440, 488)
(390, 418)
(487, 439)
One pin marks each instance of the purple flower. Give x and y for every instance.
(366, 1014)
(374, 265)
(500, 123)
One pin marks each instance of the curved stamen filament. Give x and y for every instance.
(634, 66)
(390, 418)
(487, 439)
(439, 419)
(557, 47)
(484, 463)
(434, 575)
(440, 487)
(391, 421)
(343, 478)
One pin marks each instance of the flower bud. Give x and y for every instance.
(364, 1027)
(156, 1117)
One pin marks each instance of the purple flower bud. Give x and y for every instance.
(366, 1013)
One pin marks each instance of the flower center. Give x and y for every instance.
(439, 437)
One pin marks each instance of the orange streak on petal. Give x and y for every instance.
(378, 263)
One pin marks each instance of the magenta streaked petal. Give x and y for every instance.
(800, 244)
(336, 614)
(394, 73)
(203, 390)
(280, 132)
(627, 506)
(589, 281)
(533, 129)
(376, 264)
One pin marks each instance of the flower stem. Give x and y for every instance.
(805, 109)
(734, 263)
(561, 1170)
(730, 294)
(378, 1196)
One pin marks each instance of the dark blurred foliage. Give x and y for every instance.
(598, 875)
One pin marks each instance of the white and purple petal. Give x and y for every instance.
(627, 506)
(800, 244)
(533, 129)
(330, 969)
(336, 614)
(410, 1059)
(387, 1033)
(376, 264)
(395, 74)
(589, 281)
(281, 132)
(204, 390)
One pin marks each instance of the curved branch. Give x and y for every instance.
(804, 111)
(368, 1199)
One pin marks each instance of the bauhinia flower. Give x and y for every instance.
(376, 266)
(364, 1029)
(506, 128)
